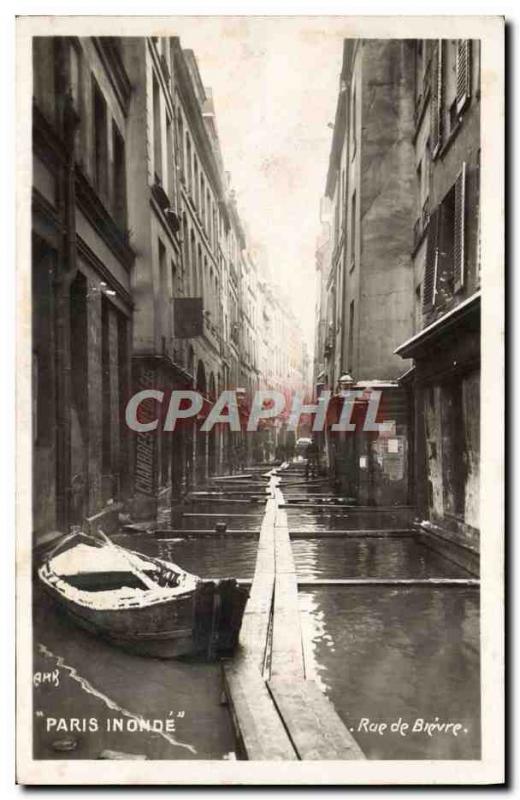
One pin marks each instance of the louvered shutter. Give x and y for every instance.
(459, 230)
(463, 72)
(430, 267)
(436, 99)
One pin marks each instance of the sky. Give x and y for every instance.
(275, 85)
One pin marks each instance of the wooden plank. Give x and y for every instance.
(287, 648)
(185, 533)
(260, 730)
(255, 624)
(350, 534)
(253, 638)
(314, 727)
(306, 582)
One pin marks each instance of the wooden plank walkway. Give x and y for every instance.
(287, 648)
(351, 534)
(277, 713)
(260, 731)
(315, 728)
(306, 582)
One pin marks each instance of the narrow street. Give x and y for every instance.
(257, 357)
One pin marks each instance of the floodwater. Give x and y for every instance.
(388, 655)
(395, 655)
(370, 557)
(323, 519)
(99, 683)
(216, 557)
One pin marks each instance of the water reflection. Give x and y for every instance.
(383, 653)
(218, 557)
(323, 519)
(370, 557)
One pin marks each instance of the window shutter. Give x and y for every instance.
(436, 98)
(463, 72)
(430, 267)
(459, 231)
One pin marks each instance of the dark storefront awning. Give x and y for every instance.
(465, 316)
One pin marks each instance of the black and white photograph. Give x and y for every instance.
(260, 512)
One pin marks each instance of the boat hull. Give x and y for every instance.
(205, 622)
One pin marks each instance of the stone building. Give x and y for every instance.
(365, 266)
(159, 274)
(445, 345)
(81, 284)
(143, 278)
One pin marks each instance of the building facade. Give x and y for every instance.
(143, 278)
(81, 271)
(364, 264)
(445, 346)
(398, 265)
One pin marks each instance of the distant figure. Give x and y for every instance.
(280, 453)
(313, 460)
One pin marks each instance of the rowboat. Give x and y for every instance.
(141, 603)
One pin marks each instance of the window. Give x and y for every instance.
(157, 142)
(419, 69)
(350, 366)
(185, 245)
(445, 252)
(196, 181)
(106, 450)
(171, 159)
(44, 75)
(463, 73)
(353, 124)
(436, 98)
(118, 146)
(188, 162)
(193, 265)
(164, 294)
(200, 283)
(180, 144)
(100, 141)
(352, 237)
(75, 76)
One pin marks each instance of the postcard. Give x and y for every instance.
(260, 376)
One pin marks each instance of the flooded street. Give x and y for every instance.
(387, 653)
(376, 651)
(102, 682)
(374, 557)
